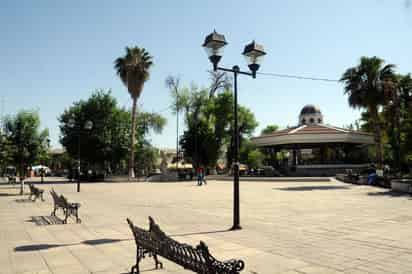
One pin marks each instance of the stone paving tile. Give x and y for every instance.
(318, 270)
(27, 261)
(355, 229)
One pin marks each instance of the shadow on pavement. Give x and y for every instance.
(37, 247)
(389, 193)
(24, 201)
(310, 188)
(104, 241)
(45, 220)
(9, 194)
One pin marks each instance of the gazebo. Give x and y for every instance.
(314, 148)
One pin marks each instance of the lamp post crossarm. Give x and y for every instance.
(235, 71)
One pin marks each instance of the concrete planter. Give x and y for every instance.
(402, 185)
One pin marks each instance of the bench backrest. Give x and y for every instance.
(57, 199)
(64, 201)
(32, 188)
(196, 259)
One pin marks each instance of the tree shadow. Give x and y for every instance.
(9, 194)
(310, 188)
(389, 193)
(104, 241)
(37, 247)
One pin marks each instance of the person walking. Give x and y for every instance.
(199, 176)
(42, 174)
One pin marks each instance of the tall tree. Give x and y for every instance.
(405, 119)
(23, 131)
(363, 85)
(173, 83)
(105, 146)
(6, 152)
(133, 70)
(247, 124)
(220, 82)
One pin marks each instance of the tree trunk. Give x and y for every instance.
(21, 178)
(132, 140)
(397, 116)
(377, 135)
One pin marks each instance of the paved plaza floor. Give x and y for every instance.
(288, 227)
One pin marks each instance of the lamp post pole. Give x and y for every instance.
(213, 44)
(177, 134)
(236, 210)
(87, 126)
(78, 161)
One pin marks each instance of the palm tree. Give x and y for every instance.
(133, 70)
(364, 86)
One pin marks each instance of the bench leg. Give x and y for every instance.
(78, 220)
(135, 269)
(42, 197)
(66, 214)
(157, 262)
(54, 211)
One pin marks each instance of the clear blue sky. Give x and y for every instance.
(56, 52)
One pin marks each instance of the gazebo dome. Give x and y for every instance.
(310, 109)
(310, 115)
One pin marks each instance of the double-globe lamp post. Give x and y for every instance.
(214, 44)
(88, 125)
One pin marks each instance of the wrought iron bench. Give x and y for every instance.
(36, 192)
(69, 209)
(11, 179)
(154, 242)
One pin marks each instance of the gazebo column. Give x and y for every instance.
(295, 157)
(323, 149)
(275, 157)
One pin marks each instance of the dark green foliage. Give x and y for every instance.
(364, 85)
(247, 124)
(147, 158)
(251, 155)
(6, 152)
(106, 145)
(200, 144)
(209, 121)
(269, 129)
(28, 143)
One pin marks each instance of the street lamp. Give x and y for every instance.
(253, 52)
(88, 125)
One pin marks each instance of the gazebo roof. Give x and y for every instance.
(313, 134)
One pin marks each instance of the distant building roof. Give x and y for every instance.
(313, 134)
(310, 109)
